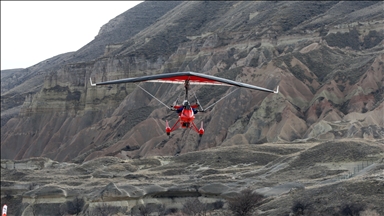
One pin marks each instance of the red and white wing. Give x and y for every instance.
(180, 78)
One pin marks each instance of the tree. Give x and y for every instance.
(34, 209)
(219, 204)
(145, 210)
(75, 206)
(194, 207)
(148, 209)
(105, 209)
(62, 210)
(161, 211)
(301, 208)
(351, 209)
(244, 203)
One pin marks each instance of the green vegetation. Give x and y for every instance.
(342, 40)
(372, 39)
(291, 16)
(296, 70)
(355, 68)
(321, 61)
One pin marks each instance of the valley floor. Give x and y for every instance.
(323, 178)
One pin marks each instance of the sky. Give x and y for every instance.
(32, 31)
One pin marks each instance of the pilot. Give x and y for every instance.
(194, 108)
(179, 108)
(186, 105)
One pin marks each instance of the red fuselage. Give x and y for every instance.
(186, 117)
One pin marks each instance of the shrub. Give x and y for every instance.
(76, 206)
(149, 209)
(105, 209)
(244, 203)
(351, 209)
(301, 208)
(219, 204)
(194, 207)
(171, 211)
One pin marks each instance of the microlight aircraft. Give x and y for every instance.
(186, 110)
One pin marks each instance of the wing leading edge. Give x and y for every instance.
(180, 77)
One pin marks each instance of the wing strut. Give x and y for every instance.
(219, 100)
(198, 102)
(153, 96)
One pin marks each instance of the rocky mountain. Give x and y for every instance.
(68, 148)
(327, 57)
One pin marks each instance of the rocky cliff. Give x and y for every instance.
(327, 58)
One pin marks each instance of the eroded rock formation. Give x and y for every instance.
(329, 69)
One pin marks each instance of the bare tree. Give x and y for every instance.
(62, 210)
(160, 210)
(34, 208)
(104, 210)
(302, 207)
(219, 204)
(144, 210)
(194, 207)
(75, 206)
(351, 209)
(32, 186)
(171, 211)
(245, 203)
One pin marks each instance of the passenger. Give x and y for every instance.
(187, 106)
(194, 108)
(178, 108)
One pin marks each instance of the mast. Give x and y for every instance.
(186, 85)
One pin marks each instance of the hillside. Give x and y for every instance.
(316, 142)
(327, 60)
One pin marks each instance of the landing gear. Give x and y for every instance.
(201, 130)
(167, 128)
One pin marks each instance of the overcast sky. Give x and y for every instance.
(32, 31)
